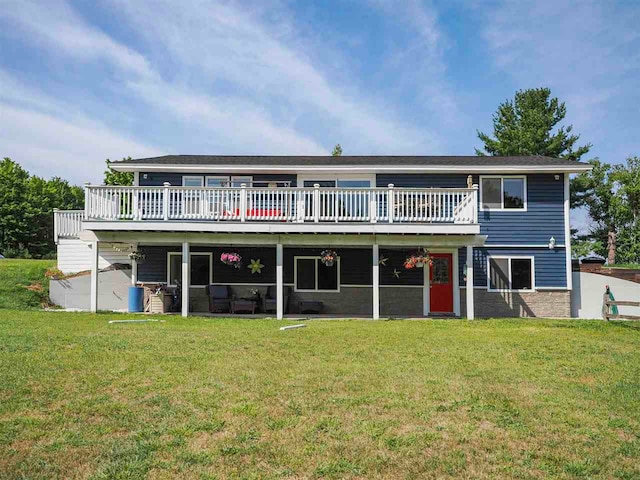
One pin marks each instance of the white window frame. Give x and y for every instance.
(502, 179)
(318, 264)
(224, 178)
(170, 254)
(509, 258)
(240, 179)
(199, 177)
(348, 176)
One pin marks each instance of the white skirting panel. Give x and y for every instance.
(74, 255)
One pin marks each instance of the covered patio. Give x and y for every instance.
(367, 279)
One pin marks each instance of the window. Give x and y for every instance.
(503, 193)
(200, 268)
(192, 181)
(311, 275)
(510, 273)
(238, 181)
(217, 181)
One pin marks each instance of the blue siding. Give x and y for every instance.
(158, 178)
(543, 219)
(550, 265)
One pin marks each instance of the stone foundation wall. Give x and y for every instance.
(543, 303)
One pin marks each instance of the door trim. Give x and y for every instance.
(426, 288)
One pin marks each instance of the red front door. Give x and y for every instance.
(441, 280)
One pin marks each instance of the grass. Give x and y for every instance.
(631, 266)
(23, 285)
(220, 398)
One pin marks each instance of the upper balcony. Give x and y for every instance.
(278, 209)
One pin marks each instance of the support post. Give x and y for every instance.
(470, 309)
(316, 202)
(390, 203)
(376, 281)
(86, 200)
(243, 202)
(186, 270)
(134, 268)
(165, 201)
(279, 282)
(56, 227)
(95, 257)
(475, 203)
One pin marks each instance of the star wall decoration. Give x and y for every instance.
(396, 273)
(255, 266)
(382, 260)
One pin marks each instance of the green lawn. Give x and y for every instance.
(23, 284)
(215, 398)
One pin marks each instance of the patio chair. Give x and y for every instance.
(270, 303)
(219, 298)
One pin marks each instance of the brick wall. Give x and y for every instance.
(547, 304)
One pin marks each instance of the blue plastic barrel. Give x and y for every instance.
(136, 299)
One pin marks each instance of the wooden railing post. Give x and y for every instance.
(390, 202)
(605, 306)
(474, 203)
(165, 201)
(135, 204)
(301, 209)
(373, 206)
(316, 202)
(86, 200)
(243, 202)
(56, 227)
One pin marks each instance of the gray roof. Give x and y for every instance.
(355, 160)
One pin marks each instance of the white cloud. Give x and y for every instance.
(54, 23)
(241, 75)
(579, 50)
(50, 137)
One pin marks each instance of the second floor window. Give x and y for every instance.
(503, 193)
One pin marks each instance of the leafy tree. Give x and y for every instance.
(15, 209)
(111, 177)
(626, 179)
(337, 151)
(527, 126)
(26, 210)
(44, 196)
(584, 247)
(611, 196)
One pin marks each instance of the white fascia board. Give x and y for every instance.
(349, 169)
(434, 242)
(259, 227)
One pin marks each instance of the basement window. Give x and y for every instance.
(311, 275)
(511, 274)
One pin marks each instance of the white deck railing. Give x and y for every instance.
(286, 204)
(67, 223)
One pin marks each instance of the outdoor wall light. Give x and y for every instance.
(552, 243)
(557, 177)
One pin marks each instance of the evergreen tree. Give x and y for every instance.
(528, 125)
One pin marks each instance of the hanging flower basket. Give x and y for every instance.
(137, 256)
(232, 259)
(328, 257)
(418, 259)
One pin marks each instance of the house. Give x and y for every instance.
(496, 230)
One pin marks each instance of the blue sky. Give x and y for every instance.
(83, 81)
